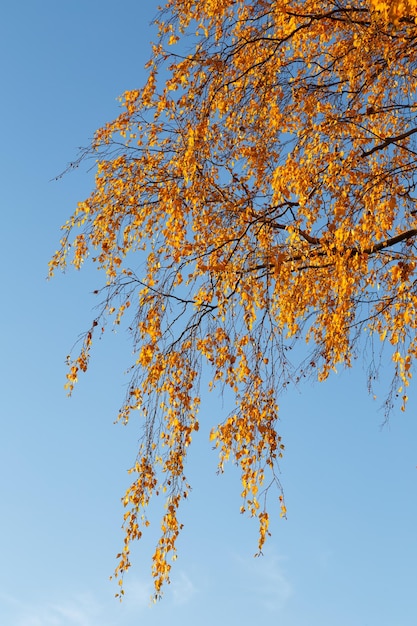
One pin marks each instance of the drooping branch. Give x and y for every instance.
(273, 102)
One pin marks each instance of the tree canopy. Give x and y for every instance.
(266, 172)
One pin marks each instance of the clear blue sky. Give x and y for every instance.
(347, 554)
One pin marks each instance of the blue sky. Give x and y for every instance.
(347, 553)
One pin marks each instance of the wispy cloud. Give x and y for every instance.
(183, 589)
(81, 610)
(138, 594)
(265, 581)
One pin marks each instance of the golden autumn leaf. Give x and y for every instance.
(268, 176)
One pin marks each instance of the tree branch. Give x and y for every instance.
(389, 141)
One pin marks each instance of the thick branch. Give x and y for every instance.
(389, 141)
(354, 251)
(408, 234)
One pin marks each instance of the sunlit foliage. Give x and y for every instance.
(266, 172)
